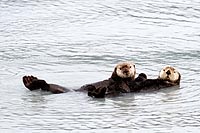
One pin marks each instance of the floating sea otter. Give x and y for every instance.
(123, 73)
(168, 77)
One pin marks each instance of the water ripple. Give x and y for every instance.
(77, 42)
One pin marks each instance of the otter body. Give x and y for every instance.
(149, 85)
(168, 77)
(123, 73)
(99, 84)
(107, 88)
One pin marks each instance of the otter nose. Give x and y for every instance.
(168, 72)
(126, 71)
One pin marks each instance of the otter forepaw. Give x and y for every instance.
(30, 82)
(97, 92)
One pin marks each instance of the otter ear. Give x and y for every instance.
(114, 74)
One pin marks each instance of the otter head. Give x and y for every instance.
(170, 74)
(124, 70)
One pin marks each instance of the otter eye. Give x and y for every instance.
(130, 66)
(163, 69)
(120, 68)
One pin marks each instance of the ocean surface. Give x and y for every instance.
(75, 42)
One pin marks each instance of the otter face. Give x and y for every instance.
(170, 73)
(125, 70)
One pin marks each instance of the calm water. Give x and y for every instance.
(73, 43)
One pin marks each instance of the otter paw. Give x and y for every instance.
(30, 82)
(97, 93)
(91, 90)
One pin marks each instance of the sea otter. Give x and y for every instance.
(168, 77)
(123, 73)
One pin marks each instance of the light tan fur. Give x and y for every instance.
(125, 70)
(169, 73)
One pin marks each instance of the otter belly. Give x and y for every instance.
(100, 84)
(150, 84)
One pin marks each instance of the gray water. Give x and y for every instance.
(73, 43)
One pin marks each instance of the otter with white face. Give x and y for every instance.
(168, 77)
(170, 74)
(124, 70)
(123, 73)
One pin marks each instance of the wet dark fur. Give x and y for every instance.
(110, 87)
(106, 88)
(139, 85)
(32, 83)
